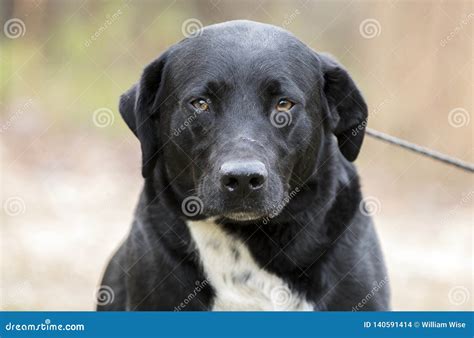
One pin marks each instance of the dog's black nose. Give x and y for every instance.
(243, 176)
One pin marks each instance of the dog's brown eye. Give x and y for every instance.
(284, 105)
(200, 104)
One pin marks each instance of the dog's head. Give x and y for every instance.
(238, 114)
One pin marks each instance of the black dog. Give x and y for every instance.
(251, 201)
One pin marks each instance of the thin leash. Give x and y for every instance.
(421, 150)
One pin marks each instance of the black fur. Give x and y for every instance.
(319, 242)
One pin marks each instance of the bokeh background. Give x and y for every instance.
(71, 168)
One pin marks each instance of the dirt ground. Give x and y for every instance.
(68, 204)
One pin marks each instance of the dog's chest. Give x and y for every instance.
(239, 282)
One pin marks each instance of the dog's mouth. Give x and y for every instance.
(245, 210)
(252, 214)
(244, 216)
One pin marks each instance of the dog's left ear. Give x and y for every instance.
(139, 107)
(346, 107)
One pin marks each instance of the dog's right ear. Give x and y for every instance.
(346, 106)
(139, 107)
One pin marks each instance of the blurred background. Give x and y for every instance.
(71, 168)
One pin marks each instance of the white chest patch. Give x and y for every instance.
(240, 284)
